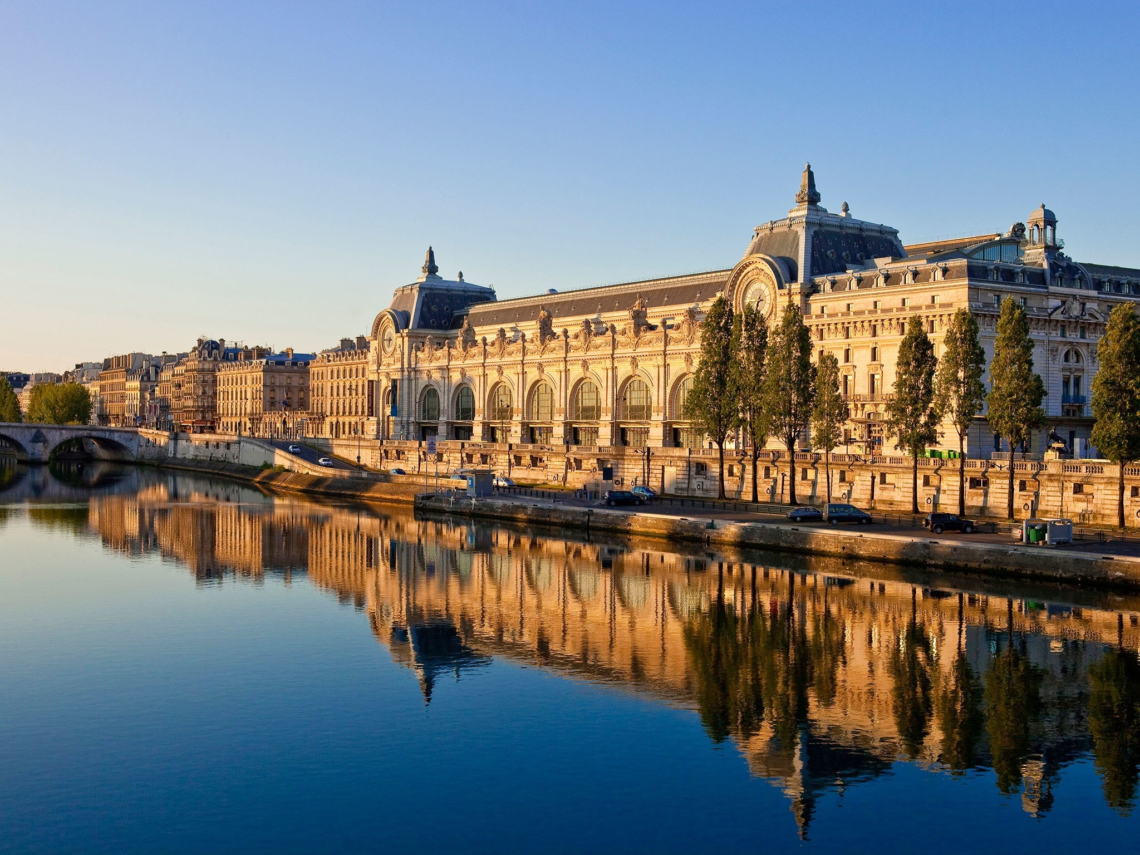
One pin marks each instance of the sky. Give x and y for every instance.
(271, 172)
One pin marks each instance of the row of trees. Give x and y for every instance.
(50, 403)
(766, 385)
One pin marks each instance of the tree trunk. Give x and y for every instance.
(1120, 497)
(961, 475)
(720, 481)
(1009, 499)
(755, 470)
(914, 484)
(827, 469)
(792, 472)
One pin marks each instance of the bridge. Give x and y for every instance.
(33, 443)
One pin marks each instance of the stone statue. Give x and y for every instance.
(545, 325)
(467, 335)
(637, 314)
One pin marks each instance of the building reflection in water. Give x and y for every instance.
(821, 680)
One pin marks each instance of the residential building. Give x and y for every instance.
(264, 395)
(343, 395)
(194, 390)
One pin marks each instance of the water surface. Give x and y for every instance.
(188, 664)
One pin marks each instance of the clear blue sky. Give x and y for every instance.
(269, 172)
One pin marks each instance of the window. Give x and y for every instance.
(846, 354)
(767, 471)
(997, 301)
(874, 353)
(849, 305)
(465, 404)
(1064, 333)
(925, 480)
(842, 476)
(847, 332)
(1135, 492)
(874, 330)
(501, 403)
(682, 395)
(883, 478)
(429, 408)
(585, 436)
(542, 403)
(804, 474)
(1078, 489)
(587, 403)
(1024, 302)
(878, 304)
(823, 310)
(1082, 333)
(636, 401)
(905, 302)
(979, 483)
(935, 299)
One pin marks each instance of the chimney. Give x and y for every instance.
(289, 352)
(361, 343)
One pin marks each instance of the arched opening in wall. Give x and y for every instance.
(463, 413)
(585, 413)
(680, 432)
(88, 448)
(11, 449)
(500, 411)
(429, 413)
(635, 406)
(540, 414)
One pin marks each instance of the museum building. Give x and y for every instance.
(574, 380)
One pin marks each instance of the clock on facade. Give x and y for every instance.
(388, 339)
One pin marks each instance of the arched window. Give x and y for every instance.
(681, 395)
(429, 408)
(500, 403)
(587, 402)
(1072, 355)
(635, 403)
(465, 404)
(542, 403)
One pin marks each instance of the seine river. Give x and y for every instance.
(191, 665)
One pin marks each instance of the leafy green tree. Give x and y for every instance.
(1116, 395)
(1016, 390)
(59, 404)
(1114, 723)
(829, 412)
(911, 416)
(750, 347)
(711, 405)
(9, 404)
(959, 390)
(789, 388)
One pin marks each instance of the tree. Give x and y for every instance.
(750, 346)
(711, 405)
(959, 390)
(829, 413)
(911, 416)
(9, 404)
(59, 404)
(789, 388)
(1116, 395)
(1016, 390)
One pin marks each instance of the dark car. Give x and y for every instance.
(837, 513)
(939, 523)
(805, 515)
(646, 494)
(397, 471)
(621, 497)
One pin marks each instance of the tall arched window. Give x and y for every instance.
(465, 404)
(680, 396)
(1072, 355)
(500, 404)
(635, 403)
(429, 408)
(587, 402)
(542, 403)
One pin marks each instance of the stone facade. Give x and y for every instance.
(193, 402)
(343, 395)
(262, 396)
(560, 385)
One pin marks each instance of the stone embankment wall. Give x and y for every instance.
(994, 559)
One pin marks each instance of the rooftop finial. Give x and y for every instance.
(808, 195)
(430, 267)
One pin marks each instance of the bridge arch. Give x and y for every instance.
(10, 445)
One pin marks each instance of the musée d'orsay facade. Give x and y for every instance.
(577, 380)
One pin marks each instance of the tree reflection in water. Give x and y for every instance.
(1114, 722)
(1013, 698)
(959, 709)
(910, 664)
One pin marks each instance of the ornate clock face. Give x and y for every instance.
(388, 339)
(759, 294)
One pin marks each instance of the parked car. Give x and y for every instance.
(621, 497)
(294, 449)
(324, 461)
(397, 471)
(647, 494)
(837, 513)
(502, 481)
(806, 515)
(939, 523)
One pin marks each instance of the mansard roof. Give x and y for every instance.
(672, 291)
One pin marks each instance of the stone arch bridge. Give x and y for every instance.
(35, 443)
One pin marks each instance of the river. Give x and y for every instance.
(188, 664)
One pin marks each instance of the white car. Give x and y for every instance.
(294, 449)
(502, 481)
(324, 461)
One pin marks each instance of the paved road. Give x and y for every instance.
(310, 455)
(1130, 548)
